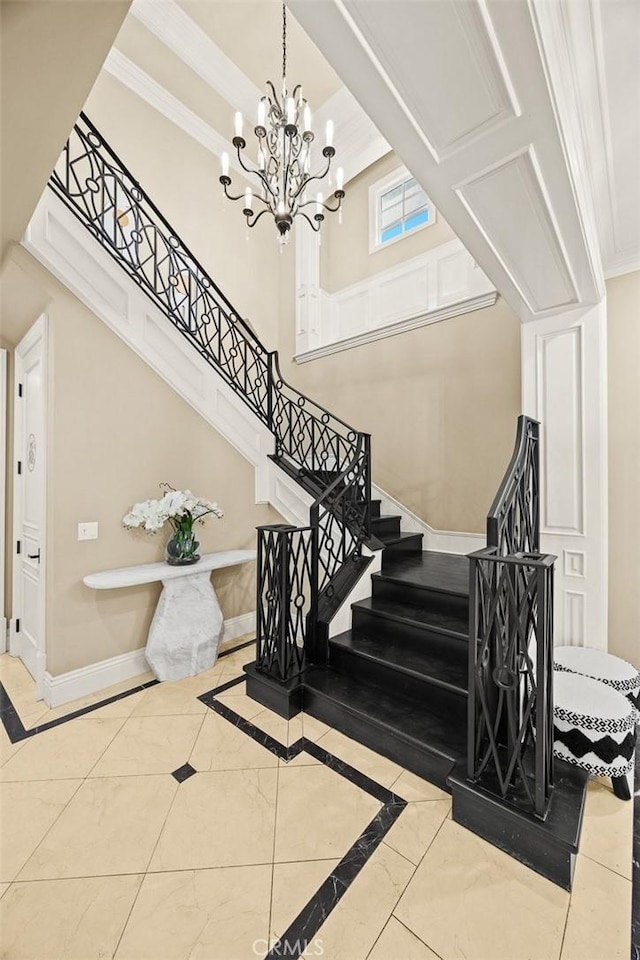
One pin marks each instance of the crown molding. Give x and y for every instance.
(173, 27)
(359, 142)
(157, 96)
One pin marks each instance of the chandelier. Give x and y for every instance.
(283, 172)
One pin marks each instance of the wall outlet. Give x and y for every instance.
(88, 531)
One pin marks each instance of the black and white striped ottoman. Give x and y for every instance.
(605, 667)
(594, 728)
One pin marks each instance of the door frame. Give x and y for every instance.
(4, 418)
(39, 331)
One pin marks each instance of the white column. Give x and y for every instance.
(564, 386)
(308, 292)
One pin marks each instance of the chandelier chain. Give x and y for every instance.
(284, 43)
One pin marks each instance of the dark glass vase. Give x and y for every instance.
(182, 548)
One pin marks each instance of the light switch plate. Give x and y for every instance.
(88, 531)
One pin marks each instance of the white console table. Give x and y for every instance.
(187, 626)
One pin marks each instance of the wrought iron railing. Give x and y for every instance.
(513, 523)
(510, 713)
(320, 449)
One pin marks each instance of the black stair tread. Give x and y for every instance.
(444, 572)
(441, 621)
(390, 540)
(442, 732)
(449, 672)
(387, 516)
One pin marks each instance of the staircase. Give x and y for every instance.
(397, 681)
(474, 718)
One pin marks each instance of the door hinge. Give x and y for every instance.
(17, 624)
(18, 546)
(19, 467)
(19, 389)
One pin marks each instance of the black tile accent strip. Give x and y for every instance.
(184, 772)
(16, 730)
(241, 646)
(303, 929)
(301, 933)
(635, 896)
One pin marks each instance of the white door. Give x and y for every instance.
(30, 479)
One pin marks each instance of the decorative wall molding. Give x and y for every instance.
(482, 103)
(564, 383)
(443, 282)
(573, 41)
(490, 198)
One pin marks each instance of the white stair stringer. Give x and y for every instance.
(63, 245)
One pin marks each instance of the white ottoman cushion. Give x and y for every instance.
(615, 672)
(594, 726)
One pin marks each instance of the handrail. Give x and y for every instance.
(513, 522)
(510, 706)
(97, 187)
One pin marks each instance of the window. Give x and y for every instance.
(397, 206)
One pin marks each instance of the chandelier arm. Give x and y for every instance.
(256, 217)
(325, 203)
(316, 176)
(276, 100)
(228, 195)
(315, 225)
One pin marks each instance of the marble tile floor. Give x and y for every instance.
(165, 827)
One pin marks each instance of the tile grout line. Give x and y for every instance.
(47, 832)
(401, 922)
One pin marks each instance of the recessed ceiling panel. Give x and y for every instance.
(444, 63)
(509, 205)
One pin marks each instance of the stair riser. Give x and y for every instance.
(375, 508)
(408, 754)
(385, 526)
(424, 689)
(403, 634)
(404, 592)
(406, 547)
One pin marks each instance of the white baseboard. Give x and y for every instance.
(90, 679)
(97, 676)
(237, 627)
(448, 541)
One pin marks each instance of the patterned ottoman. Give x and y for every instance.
(594, 728)
(616, 673)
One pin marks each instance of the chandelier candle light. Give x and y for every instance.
(283, 170)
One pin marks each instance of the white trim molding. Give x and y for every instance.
(564, 383)
(4, 413)
(64, 687)
(443, 282)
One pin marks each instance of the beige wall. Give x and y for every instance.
(441, 403)
(623, 343)
(50, 54)
(116, 430)
(344, 253)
